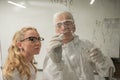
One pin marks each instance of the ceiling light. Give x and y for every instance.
(16, 4)
(92, 1)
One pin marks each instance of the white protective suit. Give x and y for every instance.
(16, 74)
(76, 63)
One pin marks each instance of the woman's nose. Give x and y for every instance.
(38, 42)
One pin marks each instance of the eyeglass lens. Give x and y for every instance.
(66, 23)
(34, 39)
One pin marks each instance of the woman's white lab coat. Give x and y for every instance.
(76, 64)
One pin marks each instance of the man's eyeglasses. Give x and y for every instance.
(33, 39)
(64, 23)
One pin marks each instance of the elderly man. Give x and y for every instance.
(70, 58)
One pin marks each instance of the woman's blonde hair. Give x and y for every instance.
(15, 60)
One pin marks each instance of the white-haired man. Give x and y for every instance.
(70, 58)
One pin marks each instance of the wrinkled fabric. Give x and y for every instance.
(76, 63)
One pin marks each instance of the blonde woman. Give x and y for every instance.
(19, 65)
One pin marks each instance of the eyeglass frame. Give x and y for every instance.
(35, 39)
(63, 23)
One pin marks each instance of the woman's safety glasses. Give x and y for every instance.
(33, 39)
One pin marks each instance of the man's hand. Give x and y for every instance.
(55, 49)
(96, 55)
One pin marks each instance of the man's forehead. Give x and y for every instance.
(64, 21)
(62, 17)
(65, 16)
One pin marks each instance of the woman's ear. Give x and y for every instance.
(19, 44)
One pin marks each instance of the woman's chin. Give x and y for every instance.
(37, 53)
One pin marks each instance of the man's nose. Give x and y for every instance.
(63, 26)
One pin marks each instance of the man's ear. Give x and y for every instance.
(74, 28)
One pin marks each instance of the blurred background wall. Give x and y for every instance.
(98, 22)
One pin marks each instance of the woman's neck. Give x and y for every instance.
(28, 58)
